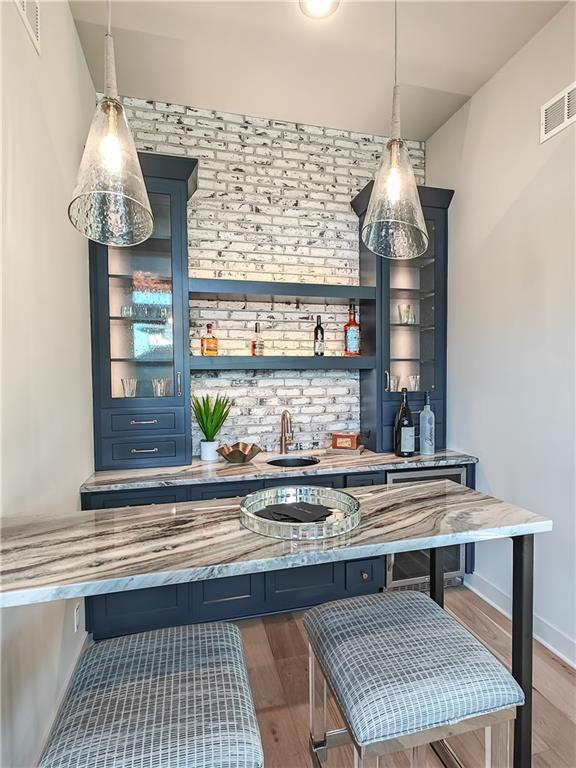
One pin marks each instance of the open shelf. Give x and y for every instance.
(246, 290)
(410, 293)
(140, 361)
(279, 362)
(156, 320)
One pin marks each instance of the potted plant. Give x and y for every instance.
(210, 415)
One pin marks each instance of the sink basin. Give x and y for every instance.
(294, 461)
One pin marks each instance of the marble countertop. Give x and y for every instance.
(98, 552)
(222, 471)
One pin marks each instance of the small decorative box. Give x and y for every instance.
(346, 440)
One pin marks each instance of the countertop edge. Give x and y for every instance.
(291, 560)
(258, 472)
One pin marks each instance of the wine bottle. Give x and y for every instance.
(318, 337)
(352, 334)
(404, 428)
(427, 424)
(257, 342)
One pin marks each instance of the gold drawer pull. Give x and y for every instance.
(144, 450)
(150, 421)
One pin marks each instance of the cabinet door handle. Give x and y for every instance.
(387, 374)
(144, 450)
(144, 421)
(178, 384)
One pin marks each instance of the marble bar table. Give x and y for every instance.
(104, 551)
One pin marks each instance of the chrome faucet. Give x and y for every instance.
(286, 431)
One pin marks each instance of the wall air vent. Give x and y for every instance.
(558, 113)
(30, 14)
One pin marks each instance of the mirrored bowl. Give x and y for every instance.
(345, 512)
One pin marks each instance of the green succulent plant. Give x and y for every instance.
(211, 414)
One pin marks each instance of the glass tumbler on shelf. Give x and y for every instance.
(394, 385)
(161, 387)
(129, 387)
(406, 314)
(414, 383)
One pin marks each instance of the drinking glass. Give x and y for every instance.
(394, 383)
(414, 383)
(160, 387)
(129, 387)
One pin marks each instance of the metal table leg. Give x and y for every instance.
(522, 608)
(437, 575)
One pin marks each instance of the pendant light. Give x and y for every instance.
(110, 204)
(394, 223)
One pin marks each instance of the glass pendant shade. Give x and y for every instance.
(110, 204)
(394, 224)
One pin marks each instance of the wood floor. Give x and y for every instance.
(276, 654)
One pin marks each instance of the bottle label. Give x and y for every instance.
(407, 440)
(319, 347)
(353, 340)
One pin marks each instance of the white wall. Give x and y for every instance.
(47, 103)
(511, 385)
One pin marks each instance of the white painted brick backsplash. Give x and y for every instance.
(320, 402)
(273, 203)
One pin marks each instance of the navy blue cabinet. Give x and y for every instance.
(405, 329)
(139, 304)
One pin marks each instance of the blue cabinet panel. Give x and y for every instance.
(326, 481)
(365, 576)
(299, 587)
(122, 423)
(113, 499)
(223, 490)
(122, 613)
(228, 598)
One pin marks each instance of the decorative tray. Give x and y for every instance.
(342, 512)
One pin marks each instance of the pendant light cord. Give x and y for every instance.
(395, 125)
(110, 87)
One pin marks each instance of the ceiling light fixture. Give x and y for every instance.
(394, 224)
(318, 9)
(110, 204)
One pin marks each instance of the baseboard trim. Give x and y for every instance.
(60, 700)
(547, 634)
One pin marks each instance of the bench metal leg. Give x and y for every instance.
(368, 761)
(317, 700)
(418, 757)
(498, 740)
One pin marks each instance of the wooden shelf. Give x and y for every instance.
(279, 362)
(252, 290)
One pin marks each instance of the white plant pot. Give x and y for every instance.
(208, 450)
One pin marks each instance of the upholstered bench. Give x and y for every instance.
(404, 674)
(172, 698)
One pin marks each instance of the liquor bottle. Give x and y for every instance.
(209, 343)
(257, 342)
(318, 337)
(352, 334)
(404, 428)
(427, 424)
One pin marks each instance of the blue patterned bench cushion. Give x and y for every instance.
(399, 664)
(172, 698)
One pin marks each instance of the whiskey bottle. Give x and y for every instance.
(257, 342)
(318, 338)
(209, 343)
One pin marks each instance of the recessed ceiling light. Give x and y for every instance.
(319, 9)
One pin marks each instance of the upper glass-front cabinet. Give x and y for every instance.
(140, 357)
(408, 331)
(412, 322)
(141, 305)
